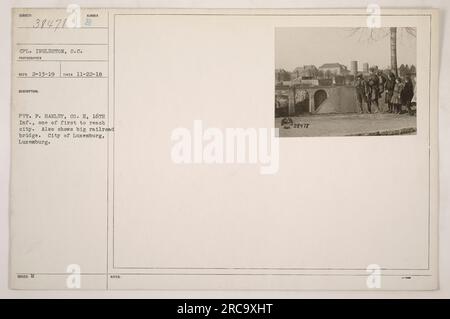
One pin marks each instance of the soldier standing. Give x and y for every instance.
(360, 87)
(382, 79)
(373, 91)
(396, 96)
(407, 94)
(390, 85)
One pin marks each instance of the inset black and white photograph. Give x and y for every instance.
(345, 81)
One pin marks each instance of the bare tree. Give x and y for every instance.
(375, 34)
(393, 33)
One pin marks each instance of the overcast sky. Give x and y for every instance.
(301, 46)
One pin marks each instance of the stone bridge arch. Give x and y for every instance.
(317, 95)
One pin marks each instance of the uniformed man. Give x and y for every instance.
(382, 79)
(373, 91)
(389, 86)
(360, 88)
(407, 94)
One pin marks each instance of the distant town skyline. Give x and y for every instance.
(296, 47)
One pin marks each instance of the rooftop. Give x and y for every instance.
(332, 65)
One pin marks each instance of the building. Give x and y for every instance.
(306, 71)
(329, 69)
(282, 75)
(309, 82)
(354, 67)
(366, 68)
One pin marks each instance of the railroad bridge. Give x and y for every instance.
(320, 99)
(316, 96)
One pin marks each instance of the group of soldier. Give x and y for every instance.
(398, 92)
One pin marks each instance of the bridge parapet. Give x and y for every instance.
(314, 102)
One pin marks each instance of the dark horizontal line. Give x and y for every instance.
(262, 274)
(62, 77)
(60, 28)
(58, 274)
(274, 15)
(61, 60)
(215, 274)
(61, 43)
(237, 9)
(268, 268)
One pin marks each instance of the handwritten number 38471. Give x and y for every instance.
(50, 23)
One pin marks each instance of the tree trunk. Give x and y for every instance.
(394, 51)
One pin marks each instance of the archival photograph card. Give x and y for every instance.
(307, 83)
(224, 149)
